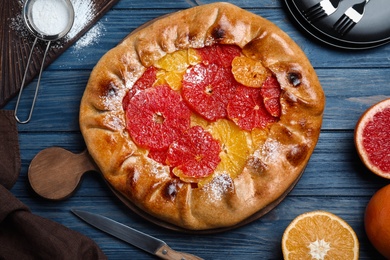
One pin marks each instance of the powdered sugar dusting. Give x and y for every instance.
(84, 13)
(220, 185)
(91, 37)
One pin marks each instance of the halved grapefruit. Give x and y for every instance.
(372, 138)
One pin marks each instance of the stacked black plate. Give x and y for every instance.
(371, 31)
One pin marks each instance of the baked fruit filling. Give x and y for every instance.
(202, 112)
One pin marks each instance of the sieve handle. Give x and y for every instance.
(24, 79)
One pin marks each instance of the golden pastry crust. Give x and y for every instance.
(270, 170)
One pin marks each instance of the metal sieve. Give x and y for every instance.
(40, 34)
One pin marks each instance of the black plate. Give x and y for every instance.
(371, 31)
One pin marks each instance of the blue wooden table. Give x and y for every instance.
(335, 179)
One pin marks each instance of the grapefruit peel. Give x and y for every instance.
(372, 135)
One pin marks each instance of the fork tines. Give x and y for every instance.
(314, 13)
(343, 25)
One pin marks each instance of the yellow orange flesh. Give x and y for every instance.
(249, 72)
(235, 146)
(173, 66)
(319, 235)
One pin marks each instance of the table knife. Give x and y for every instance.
(132, 236)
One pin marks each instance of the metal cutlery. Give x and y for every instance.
(350, 18)
(134, 237)
(321, 10)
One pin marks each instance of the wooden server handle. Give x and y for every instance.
(55, 173)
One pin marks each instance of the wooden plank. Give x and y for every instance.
(117, 23)
(17, 41)
(348, 94)
(260, 238)
(334, 169)
(157, 4)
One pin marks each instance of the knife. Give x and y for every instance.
(132, 236)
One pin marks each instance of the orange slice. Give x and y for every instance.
(319, 235)
(173, 66)
(235, 146)
(249, 72)
(377, 219)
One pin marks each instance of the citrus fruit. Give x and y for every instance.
(198, 120)
(377, 219)
(194, 155)
(172, 78)
(270, 92)
(207, 90)
(158, 155)
(247, 110)
(319, 235)
(145, 81)
(259, 136)
(249, 72)
(156, 117)
(173, 65)
(235, 147)
(219, 54)
(372, 138)
(175, 61)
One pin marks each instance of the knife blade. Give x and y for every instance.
(132, 236)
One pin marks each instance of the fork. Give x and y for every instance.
(350, 18)
(320, 10)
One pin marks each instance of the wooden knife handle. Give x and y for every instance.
(165, 252)
(55, 173)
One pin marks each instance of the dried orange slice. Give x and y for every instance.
(372, 135)
(249, 72)
(319, 235)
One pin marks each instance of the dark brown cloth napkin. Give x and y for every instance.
(24, 235)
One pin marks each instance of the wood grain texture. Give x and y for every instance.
(16, 44)
(335, 180)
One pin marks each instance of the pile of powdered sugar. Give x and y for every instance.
(84, 14)
(50, 17)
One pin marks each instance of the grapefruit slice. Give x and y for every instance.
(270, 92)
(158, 156)
(219, 54)
(319, 235)
(194, 155)
(145, 81)
(247, 110)
(156, 117)
(207, 90)
(372, 135)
